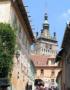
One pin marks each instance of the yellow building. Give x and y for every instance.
(44, 55)
(14, 13)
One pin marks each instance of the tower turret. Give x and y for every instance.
(45, 31)
(54, 37)
(46, 24)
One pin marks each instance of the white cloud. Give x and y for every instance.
(66, 15)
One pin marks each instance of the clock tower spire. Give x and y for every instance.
(45, 42)
(45, 31)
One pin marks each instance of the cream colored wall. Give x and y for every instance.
(43, 50)
(5, 11)
(46, 77)
(24, 57)
(47, 72)
(46, 34)
(52, 64)
(19, 75)
(54, 47)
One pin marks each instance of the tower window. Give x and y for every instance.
(44, 50)
(48, 50)
(50, 46)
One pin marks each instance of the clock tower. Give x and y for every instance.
(45, 50)
(45, 43)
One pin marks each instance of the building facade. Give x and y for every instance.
(45, 43)
(45, 51)
(63, 57)
(13, 12)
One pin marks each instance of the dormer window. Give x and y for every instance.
(52, 61)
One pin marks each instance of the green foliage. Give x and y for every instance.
(58, 58)
(7, 49)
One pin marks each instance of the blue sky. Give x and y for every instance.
(58, 15)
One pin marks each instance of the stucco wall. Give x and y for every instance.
(47, 76)
(20, 76)
(5, 11)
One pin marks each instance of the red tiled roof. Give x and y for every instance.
(41, 60)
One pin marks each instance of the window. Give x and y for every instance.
(50, 46)
(46, 45)
(52, 73)
(44, 50)
(48, 50)
(18, 75)
(52, 61)
(52, 80)
(42, 71)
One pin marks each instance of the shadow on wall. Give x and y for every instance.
(28, 87)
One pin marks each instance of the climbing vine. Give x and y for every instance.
(7, 49)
